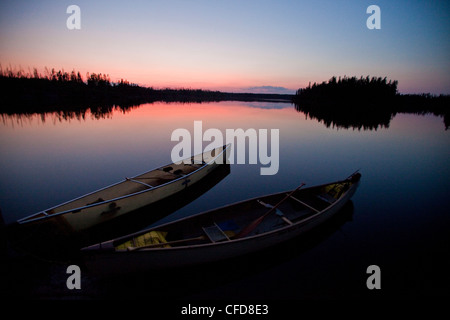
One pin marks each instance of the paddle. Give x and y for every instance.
(249, 228)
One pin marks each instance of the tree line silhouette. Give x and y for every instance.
(55, 91)
(344, 102)
(364, 103)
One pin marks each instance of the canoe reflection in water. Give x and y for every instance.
(259, 269)
(222, 233)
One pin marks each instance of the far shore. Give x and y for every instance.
(62, 91)
(344, 101)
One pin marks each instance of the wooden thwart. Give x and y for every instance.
(305, 204)
(278, 213)
(140, 182)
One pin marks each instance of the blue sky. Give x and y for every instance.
(233, 45)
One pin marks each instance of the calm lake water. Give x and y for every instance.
(399, 216)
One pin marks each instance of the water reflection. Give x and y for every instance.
(367, 120)
(95, 112)
(364, 117)
(99, 112)
(216, 279)
(340, 118)
(190, 281)
(405, 165)
(349, 118)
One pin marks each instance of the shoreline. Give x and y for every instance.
(334, 103)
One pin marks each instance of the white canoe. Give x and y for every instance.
(128, 195)
(222, 233)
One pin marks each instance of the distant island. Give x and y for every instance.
(33, 92)
(367, 103)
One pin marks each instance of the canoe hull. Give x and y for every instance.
(113, 263)
(91, 216)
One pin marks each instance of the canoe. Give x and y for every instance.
(226, 232)
(126, 196)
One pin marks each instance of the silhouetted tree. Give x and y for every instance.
(363, 103)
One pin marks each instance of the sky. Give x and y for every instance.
(245, 45)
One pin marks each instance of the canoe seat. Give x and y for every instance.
(215, 233)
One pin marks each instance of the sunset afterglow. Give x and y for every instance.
(232, 45)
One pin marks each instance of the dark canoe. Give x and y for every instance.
(222, 233)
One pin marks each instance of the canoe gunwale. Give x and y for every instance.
(41, 215)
